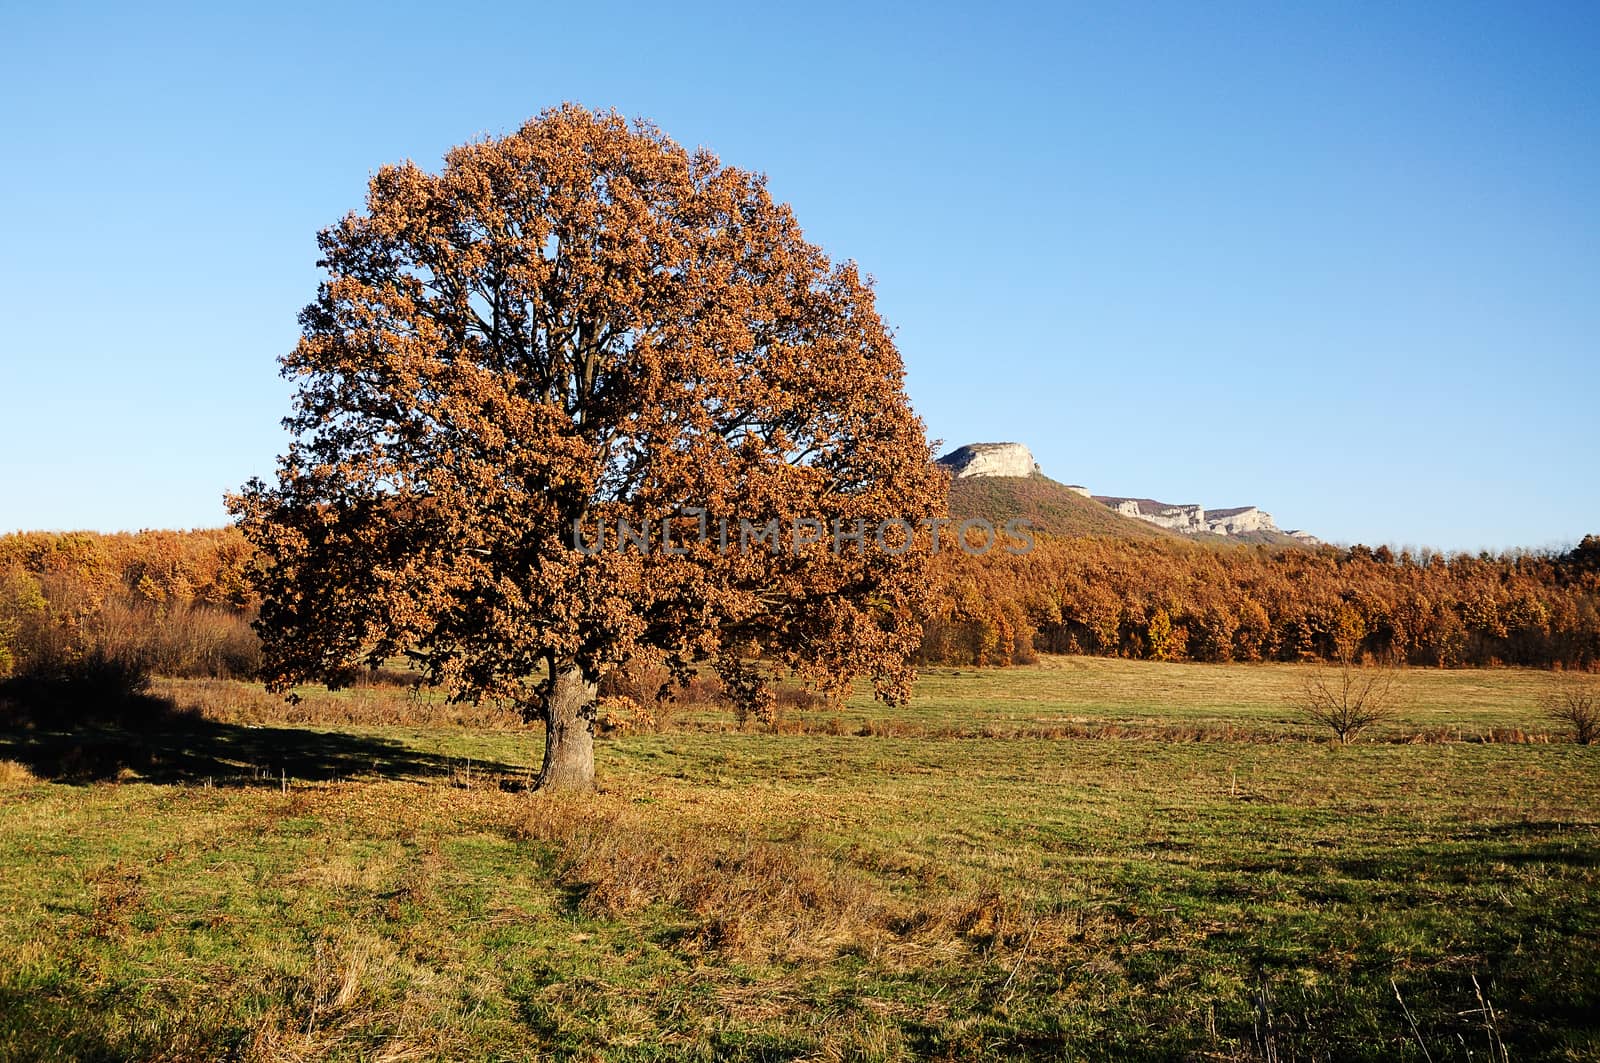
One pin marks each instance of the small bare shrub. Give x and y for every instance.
(1575, 703)
(204, 641)
(1350, 699)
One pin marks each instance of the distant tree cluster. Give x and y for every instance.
(1175, 601)
(207, 567)
(125, 606)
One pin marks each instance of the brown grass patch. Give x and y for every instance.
(13, 773)
(375, 704)
(755, 893)
(117, 894)
(334, 1001)
(738, 891)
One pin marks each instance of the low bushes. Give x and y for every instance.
(75, 650)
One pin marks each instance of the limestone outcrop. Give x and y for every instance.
(1189, 519)
(990, 459)
(1240, 520)
(1181, 517)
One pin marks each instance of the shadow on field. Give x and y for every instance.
(72, 731)
(1479, 854)
(1532, 946)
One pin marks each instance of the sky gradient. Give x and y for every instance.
(1340, 262)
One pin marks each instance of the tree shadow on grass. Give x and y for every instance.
(77, 732)
(1507, 903)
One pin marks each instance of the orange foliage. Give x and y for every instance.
(176, 603)
(151, 567)
(1175, 600)
(581, 324)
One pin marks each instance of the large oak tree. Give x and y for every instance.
(578, 323)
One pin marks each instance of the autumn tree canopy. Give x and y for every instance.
(578, 325)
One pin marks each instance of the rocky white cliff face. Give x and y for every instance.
(1192, 519)
(1179, 518)
(1239, 521)
(990, 459)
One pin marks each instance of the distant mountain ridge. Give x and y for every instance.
(1002, 480)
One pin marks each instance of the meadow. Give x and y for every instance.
(1086, 858)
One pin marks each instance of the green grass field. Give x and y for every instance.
(1084, 859)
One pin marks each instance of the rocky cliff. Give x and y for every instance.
(1184, 518)
(1238, 521)
(1235, 522)
(990, 459)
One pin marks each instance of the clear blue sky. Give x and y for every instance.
(1341, 262)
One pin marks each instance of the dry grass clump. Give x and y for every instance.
(117, 893)
(1491, 735)
(754, 895)
(740, 892)
(389, 676)
(348, 998)
(1039, 730)
(14, 773)
(375, 705)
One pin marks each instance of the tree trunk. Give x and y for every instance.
(569, 734)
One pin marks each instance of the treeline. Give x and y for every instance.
(1177, 601)
(180, 603)
(109, 610)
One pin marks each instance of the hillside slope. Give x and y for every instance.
(1050, 507)
(1260, 537)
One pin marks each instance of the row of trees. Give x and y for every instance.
(1176, 601)
(209, 567)
(186, 598)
